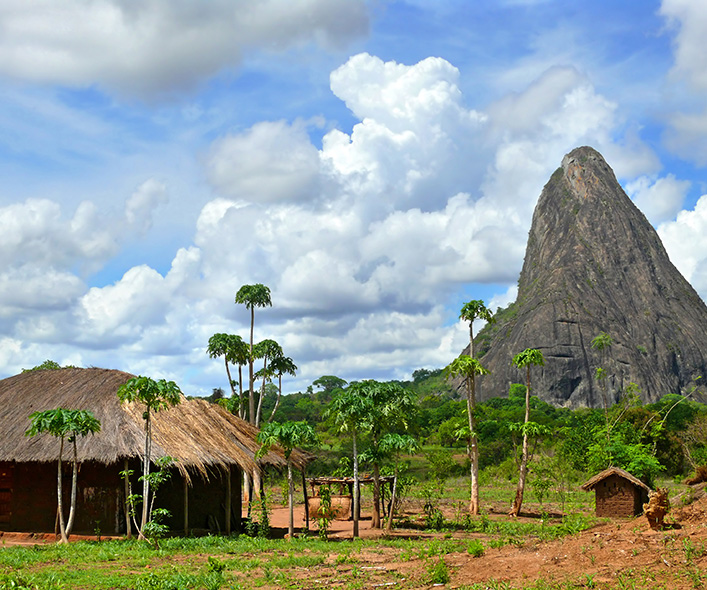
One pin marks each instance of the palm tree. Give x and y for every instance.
(62, 424)
(253, 296)
(156, 396)
(468, 368)
(524, 360)
(280, 366)
(288, 435)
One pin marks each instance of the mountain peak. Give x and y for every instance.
(594, 264)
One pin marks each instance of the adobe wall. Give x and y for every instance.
(32, 499)
(615, 496)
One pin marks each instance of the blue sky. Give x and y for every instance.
(376, 163)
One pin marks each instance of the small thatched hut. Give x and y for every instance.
(618, 493)
(210, 446)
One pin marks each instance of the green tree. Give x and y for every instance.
(602, 342)
(266, 350)
(396, 444)
(524, 360)
(350, 409)
(288, 435)
(468, 368)
(279, 366)
(253, 296)
(390, 407)
(471, 311)
(234, 350)
(156, 396)
(65, 424)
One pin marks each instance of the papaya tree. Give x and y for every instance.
(65, 425)
(524, 360)
(468, 368)
(155, 396)
(288, 435)
(253, 296)
(234, 350)
(394, 445)
(350, 409)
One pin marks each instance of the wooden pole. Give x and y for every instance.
(228, 500)
(186, 507)
(128, 526)
(306, 499)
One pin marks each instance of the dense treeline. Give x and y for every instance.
(668, 437)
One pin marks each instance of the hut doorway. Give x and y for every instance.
(7, 472)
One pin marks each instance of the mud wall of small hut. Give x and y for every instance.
(33, 501)
(616, 496)
(206, 502)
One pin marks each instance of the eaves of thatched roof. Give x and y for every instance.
(591, 483)
(201, 437)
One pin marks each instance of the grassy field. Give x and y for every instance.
(425, 554)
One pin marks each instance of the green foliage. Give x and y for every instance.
(438, 572)
(602, 341)
(288, 435)
(324, 512)
(47, 365)
(252, 296)
(156, 395)
(63, 423)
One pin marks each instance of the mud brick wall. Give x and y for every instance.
(616, 496)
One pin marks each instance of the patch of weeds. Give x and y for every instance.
(475, 548)
(438, 572)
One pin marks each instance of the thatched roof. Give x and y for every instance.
(200, 436)
(599, 477)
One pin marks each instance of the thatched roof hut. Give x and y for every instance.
(205, 440)
(617, 492)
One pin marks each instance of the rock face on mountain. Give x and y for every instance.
(594, 264)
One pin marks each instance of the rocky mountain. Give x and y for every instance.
(594, 264)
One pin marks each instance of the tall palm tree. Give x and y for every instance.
(253, 296)
(468, 368)
(524, 360)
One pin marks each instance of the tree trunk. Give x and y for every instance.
(357, 488)
(59, 495)
(279, 395)
(389, 525)
(128, 525)
(228, 372)
(251, 393)
(290, 499)
(74, 480)
(145, 474)
(473, 448)
(259, 412)
(241, 403)
(518, 502)
(376, 520)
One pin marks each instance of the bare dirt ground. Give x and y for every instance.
(621, 553)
